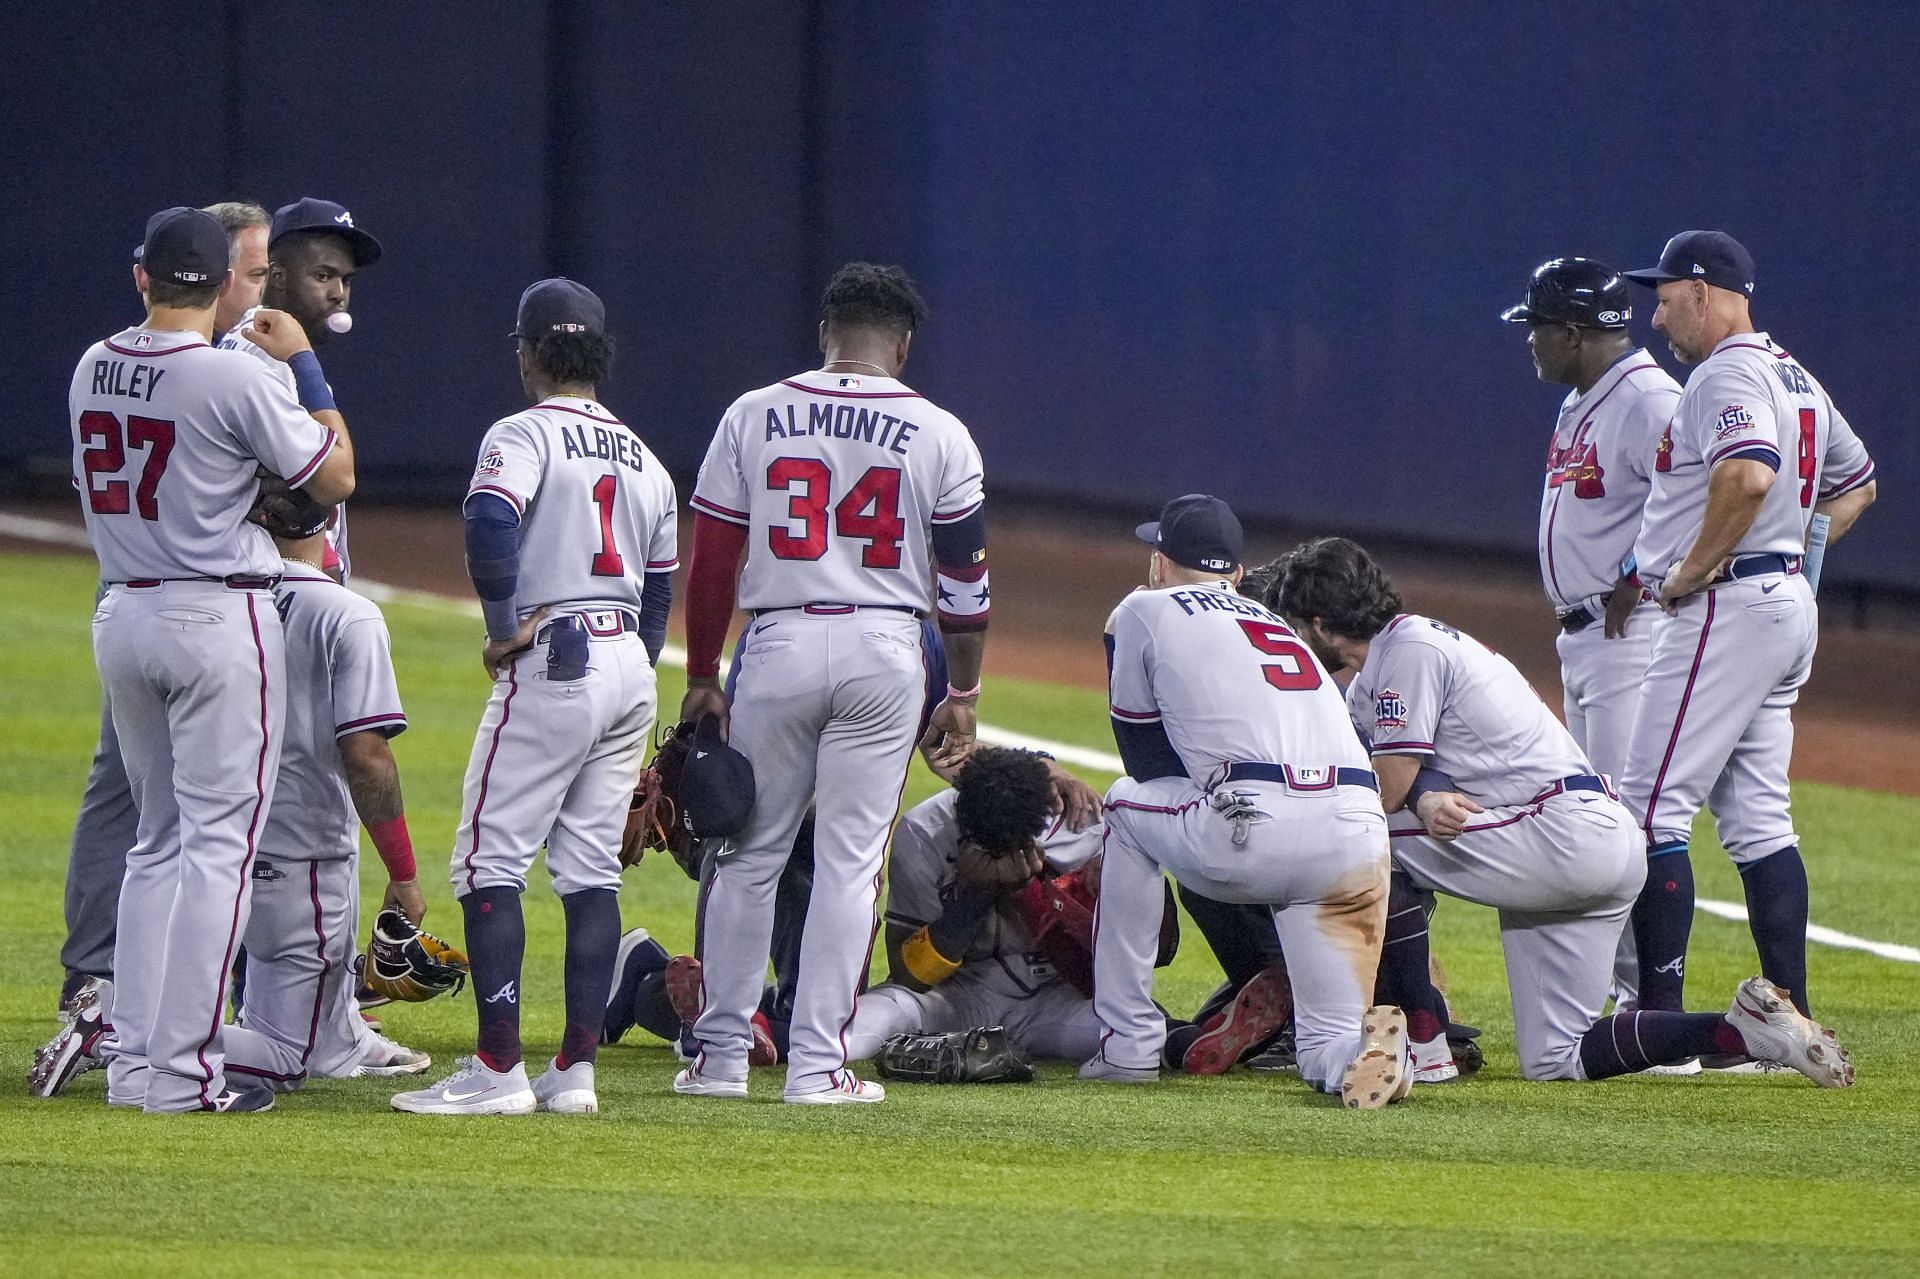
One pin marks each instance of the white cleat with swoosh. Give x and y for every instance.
(474, 1089)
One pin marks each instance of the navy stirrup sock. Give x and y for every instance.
(593, 937)
(496, 943)
(1776, 888)
(1662, 922)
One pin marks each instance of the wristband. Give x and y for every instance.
(395, 846)
(310, 383)
(953, 692)
(1427, 781)
(1630, 567)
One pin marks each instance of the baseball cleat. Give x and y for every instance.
(763, 1052)
(1433, 1061)
(1277, 1056)
(1263, 1006)
(1382, 1072)
(384, 1059)
(683, 987)
(845, 1090)
(1775, 1031)
(72, 1052)
(637, 955)
(691, 1083)
(241, 1099)
(473, 1089)
(81, 991)
(1691, 1066)
(1749, 1066)
(1099, 1070)
(569, 1091)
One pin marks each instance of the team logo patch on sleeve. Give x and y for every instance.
(492, 462)
(1733, 418)
(1389, 710)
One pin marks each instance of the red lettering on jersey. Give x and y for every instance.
(106, 454)
(1663, 451)
(1295, 671)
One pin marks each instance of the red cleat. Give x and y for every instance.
(1261, 1008)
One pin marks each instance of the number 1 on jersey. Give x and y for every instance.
(607, 561)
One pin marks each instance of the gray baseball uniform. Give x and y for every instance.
(1251, 713)
(1555, 853)
(1002, 979)
(839, 481)
(1599, 468)
(299, 1017)
(168, 434)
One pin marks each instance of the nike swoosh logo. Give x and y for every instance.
(465, 1096)
(1768, 590)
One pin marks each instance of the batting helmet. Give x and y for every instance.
(1574, 291)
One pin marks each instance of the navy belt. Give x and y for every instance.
(626, 622)
(1314, 778)
(233, 581)
(839, 610)
(1579, 781)
(1760, 566)
(1575, 620)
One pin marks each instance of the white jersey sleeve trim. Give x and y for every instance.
(306, 472)
(717, 511)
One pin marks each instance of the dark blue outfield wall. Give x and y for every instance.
(1256, 249)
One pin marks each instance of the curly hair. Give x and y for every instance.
(1260, 583)
(1004, 798)
(573, 359)
(882, 297)
(1337, 582)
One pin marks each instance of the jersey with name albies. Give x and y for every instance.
(1599, 467)
(839, 481)
(1748, 399)
(597, 510)
(340, 681)
(1426, 689)
(1227, 680)
(168, 434)
(921, 874)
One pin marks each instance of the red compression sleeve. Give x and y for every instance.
(713, 581)
(395, 846)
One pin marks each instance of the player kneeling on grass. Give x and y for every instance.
(1494, 803)
(1246, 782)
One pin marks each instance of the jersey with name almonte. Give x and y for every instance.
(1228, 681)
(1427, 689)
(597, 510)
(336, 531)
(839, 481)
(1749, 399)
(922, 872)
(340, 681)
(168, 433)
(1599, 466)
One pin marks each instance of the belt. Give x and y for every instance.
(839, 610)
(232, 581)
(1575, 620)
(1321, 778)
(1760, 565)
(599, 622)
(1579, 781)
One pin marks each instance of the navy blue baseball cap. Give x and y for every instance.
(716, 785)
(309, 214)
(558, 305)
(1712, 256)
(184, 246)
(1197, 531)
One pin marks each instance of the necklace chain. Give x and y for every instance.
(862, 363)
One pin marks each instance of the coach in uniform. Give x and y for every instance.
(1599, 465)
(1756, 449)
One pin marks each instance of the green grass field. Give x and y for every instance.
(1240, 1174)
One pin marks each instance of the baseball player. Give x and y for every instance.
(858, 504)
(168, 435)
(1599, 465)
(1246, 783)
(106, 826)
(1493, 802)
(1756, 449)
(571, 544)
(337, 773)
(314, 251)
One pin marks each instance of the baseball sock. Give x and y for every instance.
(1406, 973)
(1627, 1042)
(1662, 922)
(593, 935)
(1776, 888)
(496, 941)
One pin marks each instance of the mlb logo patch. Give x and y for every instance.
(849, 383)
(1389, 710)
(1734, 417)
(143, 340)
(491, 464)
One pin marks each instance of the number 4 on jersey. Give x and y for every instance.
(870, 512)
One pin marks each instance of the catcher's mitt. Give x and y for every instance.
(652, 815)
(407, 964)
(287, 513)
(983, 1055)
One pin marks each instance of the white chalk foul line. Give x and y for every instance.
(58, 534)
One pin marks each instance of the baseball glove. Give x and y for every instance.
(983, 1055)
(287, 513)
(653, 812)
(407, 964)
(1060, 917)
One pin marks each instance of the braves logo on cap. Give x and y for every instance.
(1389, 709)
(1734, 417)
(344, 218)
